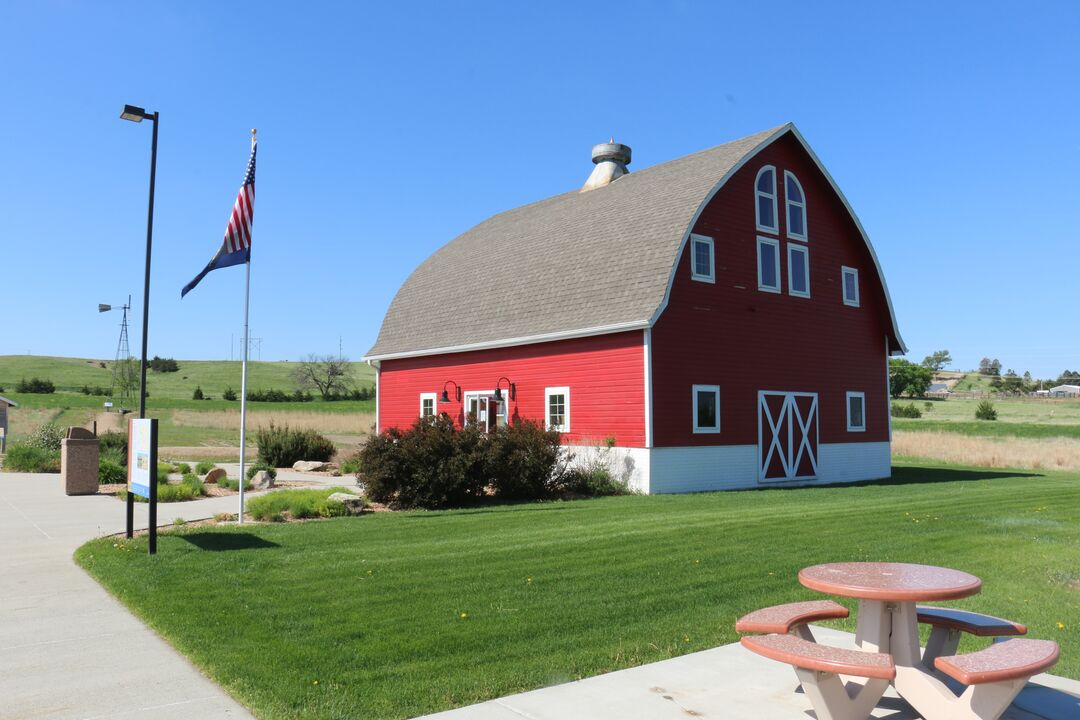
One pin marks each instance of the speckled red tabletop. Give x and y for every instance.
(901, 582)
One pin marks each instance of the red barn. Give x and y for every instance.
(721, 319)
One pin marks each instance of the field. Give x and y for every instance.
(398, 614)
(184, 422)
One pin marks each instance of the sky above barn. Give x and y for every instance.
(386, 130)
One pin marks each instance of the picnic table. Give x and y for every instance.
(887, 634)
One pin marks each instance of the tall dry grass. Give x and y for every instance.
(337, 423)
(1027, 453)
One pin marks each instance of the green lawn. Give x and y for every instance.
(398, 614)
(982, 428)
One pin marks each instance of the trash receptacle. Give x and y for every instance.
(79, 462)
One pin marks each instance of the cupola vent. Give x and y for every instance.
(611, 159)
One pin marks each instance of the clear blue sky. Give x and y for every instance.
(385, 130)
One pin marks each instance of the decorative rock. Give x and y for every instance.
(214, 475)
(79, 465)
(262, 480)
(354, 504)
(309, 466)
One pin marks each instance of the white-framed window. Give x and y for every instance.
(765, 200)
(706, 399)
(702, 259)
(850, 281)
(798, 270)
(557, 408)
(768, 264)
(795, 202)
(856, 412)
(480, 405)
(427, 405)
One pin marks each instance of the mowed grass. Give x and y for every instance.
(396, 615)
(1023, 410)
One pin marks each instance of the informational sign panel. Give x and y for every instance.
(141, 470)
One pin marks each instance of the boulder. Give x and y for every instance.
(262, 480)
(214, 475)
(354, 504)
(309, 466)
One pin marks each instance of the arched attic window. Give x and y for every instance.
(765, 193)
(795, 202)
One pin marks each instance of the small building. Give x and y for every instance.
(4, 405)
(1065, 391)
(721, 319)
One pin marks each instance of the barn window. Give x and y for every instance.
(557, 408)
(702, 260)
(798, 267)
(765, 194)
(706, 408)
(795, 202)
(768, 264)
(851, 286)
(427, 405)
(856, 412)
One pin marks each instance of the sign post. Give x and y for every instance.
(142, 473)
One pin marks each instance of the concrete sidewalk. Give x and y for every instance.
(67, 648)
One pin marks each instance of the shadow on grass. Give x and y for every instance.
(220, 541)
(913, 475)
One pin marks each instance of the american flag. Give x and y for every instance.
(236, 248)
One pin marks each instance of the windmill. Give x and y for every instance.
(124, 381)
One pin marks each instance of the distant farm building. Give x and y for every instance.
(1065, 391)
(721, 319)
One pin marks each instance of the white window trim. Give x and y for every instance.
(701, 277)
(694, 390)
(844, 271)
(434, 403)
(802, 205)
(757, 205)
(776, 245)
(466, 394)
(847, 406)
(791, 248)
(548, 392)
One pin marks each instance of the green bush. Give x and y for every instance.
(297, 503)
(281, 446)
(198, 394)
(110, 471)
(228, 394)
(35, 385)
(47, 437)
(163, 470)
(115, 441)
(905, 411)
(165, 494)
(520, 461)
(232, 484)
(23, 457)
(985, 411)
(192, 481)
(278, 396)
(351, 465)
(204, 467)
(159, 364)
(272, 472)
(593, 480)
(182, 468)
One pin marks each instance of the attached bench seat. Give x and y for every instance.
(948, 623)
(819, 668)
(1007, 660)
(791, 617)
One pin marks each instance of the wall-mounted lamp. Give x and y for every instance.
(445, 397)
(498, 393)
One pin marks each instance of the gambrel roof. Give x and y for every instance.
(577, 264)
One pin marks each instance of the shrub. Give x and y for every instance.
(228, 394)
(163, 470)
(928, 406)
(592, 479)
(192, 481)
(198, 394)
(182, 468)
(520, 460)
(905, 411)
(985, 411)
(24, 457)
(364, 393)
(110, 471)
(117, 442)
(297, 503)
(351, 465)
(165, 494)
(272, 472)
(281, 446)
(278, 396)
(159, 364)
(35, 385)
(232, 484)
(47, 437)
(204, 467)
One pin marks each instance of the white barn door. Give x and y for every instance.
(787, 436)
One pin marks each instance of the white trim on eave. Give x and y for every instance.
(789, 127)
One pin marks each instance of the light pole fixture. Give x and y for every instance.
(498, 392)
(445, 397)
(137, 114)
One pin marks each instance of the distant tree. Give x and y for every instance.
(160, 364)
(984, 366)
(329, 375)
(995, 367)
(1012, 383)
(198, 394)
(937, 361)
(1069, 377)
(906, 377)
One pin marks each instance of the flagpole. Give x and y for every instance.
(243, 374)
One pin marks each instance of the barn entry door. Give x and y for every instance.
(787, 436)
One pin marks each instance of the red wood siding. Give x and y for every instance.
(605, 375)
(733, 335)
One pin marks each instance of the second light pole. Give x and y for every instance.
(137, 114)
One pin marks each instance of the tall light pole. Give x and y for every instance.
(137, 114)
